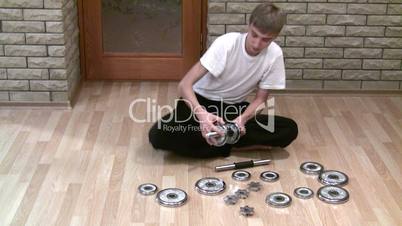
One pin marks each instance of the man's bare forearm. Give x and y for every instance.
(256, 106)
(185, 88)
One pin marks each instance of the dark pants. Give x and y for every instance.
(183, 136)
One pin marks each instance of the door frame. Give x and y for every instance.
(81, 24)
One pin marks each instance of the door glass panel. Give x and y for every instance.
(142, 26)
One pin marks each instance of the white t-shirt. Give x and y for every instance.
(233, 74)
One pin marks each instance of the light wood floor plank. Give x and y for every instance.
(82, 166)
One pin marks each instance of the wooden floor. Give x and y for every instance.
(83, 166)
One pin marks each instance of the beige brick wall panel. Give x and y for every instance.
(360, 75)
(364, 31)
(54, 3)
(384, 20)
(48, 85)
(293, 52)
(324, 53)
(236, 28)
(25, 50)
(57, 50)
(293, 7)
(211, 39)
(10, 62)
(292, 30)
(342, 85)
(325, 30)
(395, 9)
(11, 14)
(280, 40)
(392, 54)
(57, 74)
(13, 85)
(303, 84)
(226, 19)
(328, 8)
(12, 38)
(391, 75)
(321, 74)
(381, 1)
(250, 1)
(216, 7)
(305, 41)
(363, 53)
(302, 19)
(367, 8)
(3, 73)
(21, 3)
(381, 64)
(394, 1)
(380, 85)
(30, 31)
(43, 14)
(383, 42)
(28, 73)
(4, 96)
(59, 96)
(343, 42)
(243, 7)
(303, 63)
(216, 29)
(54, 27)
(30, 96)
(346, 20)
(45, 39)
(294, 73)
(46, 62)
(393, 31)
(23, 26)
(349, 1)
(342, 64)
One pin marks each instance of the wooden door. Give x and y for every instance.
(140, 39)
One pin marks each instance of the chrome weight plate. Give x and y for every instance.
(312, 168)
(147, 189)
(333, 194)
(278, 200)
(210, 186)
(241, 175)
(171, 197)
(232, 133)
(269, 176)
(220, 140)
(333, 177)
(303, 193)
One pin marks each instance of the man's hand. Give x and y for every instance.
(208, 124)
(240, 122)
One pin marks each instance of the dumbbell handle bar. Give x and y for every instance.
(241, 165)
(212, 134)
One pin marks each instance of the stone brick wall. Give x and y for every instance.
(39, 50)
(329, 44)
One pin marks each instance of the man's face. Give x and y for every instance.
(257, 41)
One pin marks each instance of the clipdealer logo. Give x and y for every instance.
(264, 115)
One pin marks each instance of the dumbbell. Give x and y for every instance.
(231, 134)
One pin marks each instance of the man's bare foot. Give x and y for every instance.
(252, 147)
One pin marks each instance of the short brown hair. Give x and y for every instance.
(268, 18)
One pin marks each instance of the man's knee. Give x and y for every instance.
(154, 137)
(293, 128)
(291, 131)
